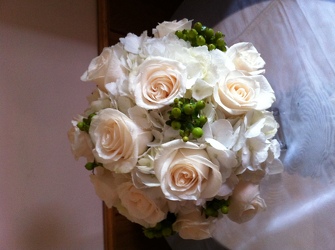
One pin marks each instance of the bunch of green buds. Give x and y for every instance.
(84, 125)
(162, 229)
(186, 117)
(216, 206)
(201, 35)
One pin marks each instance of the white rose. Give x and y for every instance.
(186, 172)
(193, 225)
(157, 82)
(237, 93)
(81, 143)
(118, 140)
(143, 206)
(246, 58)
(107, 67)
(166, 28)
(245, 202)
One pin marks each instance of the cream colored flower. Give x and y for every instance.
(246, 58)
(237, 93)
(186, 172)
(165, 28)
(118, 140)
(193, 225)
(157, 82)
(107, 67)
(245, 202)
(81, 143)
(143, 206)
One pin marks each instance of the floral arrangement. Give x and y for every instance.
(177, 133)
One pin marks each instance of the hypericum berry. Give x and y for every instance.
(176, 112)
(200, 105)
(200, 40)
(175, 125)
(197, 132)
(189, 109)
(197, 26)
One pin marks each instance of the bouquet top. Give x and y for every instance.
(177, 133)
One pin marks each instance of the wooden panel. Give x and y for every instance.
(115, 20)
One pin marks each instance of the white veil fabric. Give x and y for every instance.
(296, 38)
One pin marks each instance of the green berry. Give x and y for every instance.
(224, 209)
(185, 139)
(176, 112)
(202, 120)
(188, 109)
(211, 47)
(201, 40)
(209, 33)
(200, 105)
(218, 34)
(193, 33)
(197, 26)
(90, 165)
(197, 132)
(175, 125)
(220, 42)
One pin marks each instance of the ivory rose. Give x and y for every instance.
(245, 202)
(144, 207)
(237, 93)
(193, 225)
(165, 28)
(246, 58)
(118, 140)
(157, 82)
(107, 67)
(186, 172)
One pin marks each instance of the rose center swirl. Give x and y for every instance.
(184, 176)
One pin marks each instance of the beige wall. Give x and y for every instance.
(46, 198)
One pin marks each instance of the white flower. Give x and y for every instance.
(238, 93)
(80, 141)
(246, 58)
(107, 67)
(245, 202)
(118, 140)
(254, 140)
(193, 225)
(145, 207)
(186, 173)
(133, 43)
(157, 82)
(165, 28)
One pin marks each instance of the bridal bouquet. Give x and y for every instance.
(177, 133)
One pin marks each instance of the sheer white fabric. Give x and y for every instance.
(296, 38)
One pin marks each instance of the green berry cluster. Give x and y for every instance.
(215, 206)
(162, 229)
(201, 35)
(186, 117)
(84, 125)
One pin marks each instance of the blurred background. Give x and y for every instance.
(46, 198)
